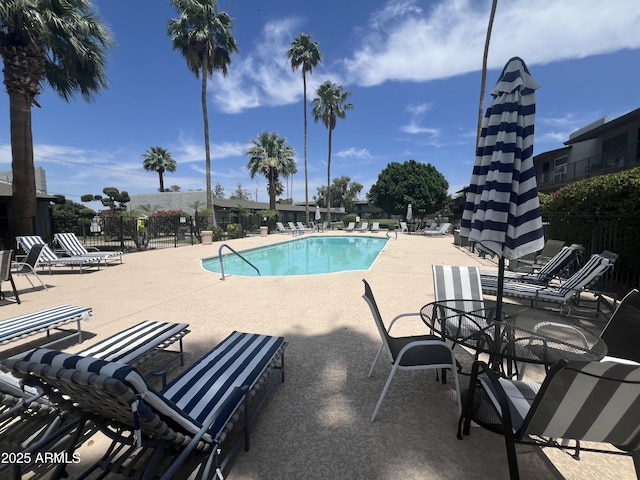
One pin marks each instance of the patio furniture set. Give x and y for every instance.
(52, 401)
(591, 388)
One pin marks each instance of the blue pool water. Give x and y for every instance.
(303, 256)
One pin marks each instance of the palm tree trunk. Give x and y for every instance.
(483, 82)
(23, 201)
(306, 175)
(329, 181)
(161, 182)
(207, 148)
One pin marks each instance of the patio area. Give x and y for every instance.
(316, 424)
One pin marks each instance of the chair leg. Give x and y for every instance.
(375, 360)
(384, 392)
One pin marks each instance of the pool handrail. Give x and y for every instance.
(222, 265)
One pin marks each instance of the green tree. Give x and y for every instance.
(344, 193)
(159, 159)
(218, 191)
(272, 157)
(203, 36)
(419, 184)
(59, 43)
(115, 199)
(240, 193)
(330, 104)
(304, 53)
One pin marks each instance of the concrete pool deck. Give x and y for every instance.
(316, 424)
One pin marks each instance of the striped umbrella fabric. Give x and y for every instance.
(502, 210)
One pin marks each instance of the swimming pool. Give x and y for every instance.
(309, 255)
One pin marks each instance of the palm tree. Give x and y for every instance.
(329, 105)
(271, 156)
(203, 36)
(59, 43)
(304, 53)
(158, 159)
(483, 82)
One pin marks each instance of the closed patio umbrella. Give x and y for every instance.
(409, 213)
(318, 217)
(502, 210)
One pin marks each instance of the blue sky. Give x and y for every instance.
(413, 68)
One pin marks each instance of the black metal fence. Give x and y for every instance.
(132, 234)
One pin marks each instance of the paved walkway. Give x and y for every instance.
(316, 425)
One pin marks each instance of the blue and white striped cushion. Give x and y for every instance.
(125, 373)
(520, 396)
(38, 321)
(460, 287)
(205, 393)
(238, 361)
(591, 401)
(126, 346)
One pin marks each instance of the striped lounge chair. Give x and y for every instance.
(560, 294)
(578, 401)
(74, 248)
(28, 414)
(161, 432)
(549, 271)
(44, 321)
(48, 258)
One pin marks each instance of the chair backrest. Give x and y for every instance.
(27, 243)
(458, 287)
(560, 261)
(550, 249)
(32, 258)
(5, 264)
(351, 225)
(375, 226)
(590, 401)
(622, 332)
(444, 228)
(70, 243)
(364, 226)
(403, 227)
(384, 335)
(595, 266)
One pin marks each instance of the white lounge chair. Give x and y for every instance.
(375, 227)
(282, 229)
(443, 229)
(364, 227)
(48, 258)
(74, 248)
(350, 227)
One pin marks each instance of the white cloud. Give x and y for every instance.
(360, 153)
(264, 76)
(416, 45)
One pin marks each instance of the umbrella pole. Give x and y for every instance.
(500, 289)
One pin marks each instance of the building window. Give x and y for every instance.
(614, 151)
(560, 169)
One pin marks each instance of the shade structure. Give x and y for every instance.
(502, 209)
(318, 217)
(409, 212)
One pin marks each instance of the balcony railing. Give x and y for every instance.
(589, 167)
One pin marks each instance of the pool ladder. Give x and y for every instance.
(232, 250)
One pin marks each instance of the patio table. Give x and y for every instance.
(524, 335)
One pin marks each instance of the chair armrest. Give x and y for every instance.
(402, 315)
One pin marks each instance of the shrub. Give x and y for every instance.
(234, 230)
(612, 194)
